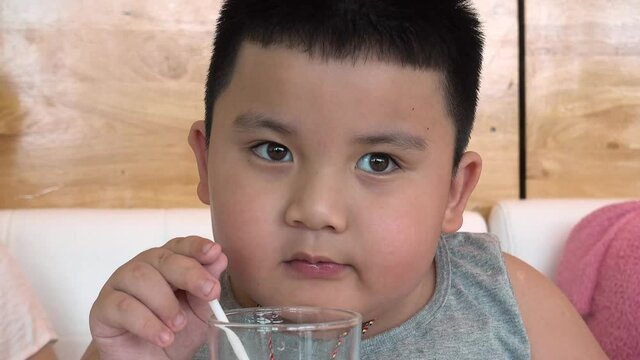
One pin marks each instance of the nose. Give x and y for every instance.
(317, 203)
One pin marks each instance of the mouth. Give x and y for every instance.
(307, 266)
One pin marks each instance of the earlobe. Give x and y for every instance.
(198, 143)
(462, 185)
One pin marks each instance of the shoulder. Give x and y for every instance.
(472, 244)
(554, 327)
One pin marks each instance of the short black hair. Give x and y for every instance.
(442, 35)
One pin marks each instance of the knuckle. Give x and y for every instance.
(196, 244)
(173, 242)
(139, 271)
(164, 256)
(124, 304)
(149, 253)
(194, 241)
(120, 276)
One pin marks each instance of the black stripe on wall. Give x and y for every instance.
(522, 102)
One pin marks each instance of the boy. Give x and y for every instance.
(332, 156)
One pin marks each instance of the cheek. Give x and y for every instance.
(240, 219)
(403, 243)
(243, 233)
(400, 262)
(403, 238)
(411, 213)
(243, 213)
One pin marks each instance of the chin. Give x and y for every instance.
(316, 300)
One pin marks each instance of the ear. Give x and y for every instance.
(462, 185)
(198, 143)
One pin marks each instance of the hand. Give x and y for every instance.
(156, 305)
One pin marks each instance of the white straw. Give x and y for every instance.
(234, 340)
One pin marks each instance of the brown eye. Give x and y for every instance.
(276, 151)
(377, 163)
(272, 151)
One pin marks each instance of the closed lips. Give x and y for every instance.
(315, 267)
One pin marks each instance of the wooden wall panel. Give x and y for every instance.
(96, 101)
(583, 98)
(495, 134)
(96, 98)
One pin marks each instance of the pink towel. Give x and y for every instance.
(600, 273)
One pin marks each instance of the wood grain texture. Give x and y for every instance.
(96, 99)
(583, 98)
(495, 134)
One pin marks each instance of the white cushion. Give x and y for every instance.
(473, 222)
(536, 230)
(68, 254)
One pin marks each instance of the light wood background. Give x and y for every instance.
(96, 98)
(495, 134)
(583, 98)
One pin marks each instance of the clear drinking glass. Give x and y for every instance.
(287, 333)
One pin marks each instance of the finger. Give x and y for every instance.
(218, 266)
(183, 272)
(123, 311)
(142, 281)
(201, 309)
(199, 248)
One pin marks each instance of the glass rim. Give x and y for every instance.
(352, 318)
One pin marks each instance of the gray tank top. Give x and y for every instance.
(473, 313)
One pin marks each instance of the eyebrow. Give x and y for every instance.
(398, 139)
(256, 121)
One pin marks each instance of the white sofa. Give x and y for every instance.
(535, 230)
(68, 254)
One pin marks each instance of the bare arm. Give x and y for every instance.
(46, 353)
(554, 327)
(91, 353)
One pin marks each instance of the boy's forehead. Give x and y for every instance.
(280, 56)
(275, 75)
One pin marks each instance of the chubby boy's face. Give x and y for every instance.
(330, 182)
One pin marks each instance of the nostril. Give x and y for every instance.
(331, 228)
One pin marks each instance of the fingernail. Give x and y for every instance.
(164, 337)
(179, 320)
(207, 247)
(207, 286)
